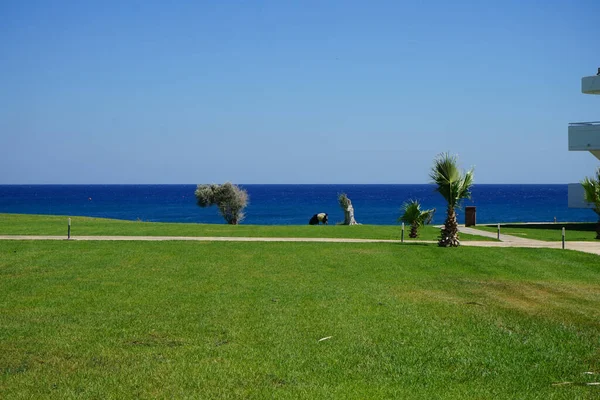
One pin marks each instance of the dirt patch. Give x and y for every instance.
(542, 297)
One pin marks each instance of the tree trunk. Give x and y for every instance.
(349, 216)
(449, 233)
(598, 229)
(414, 231)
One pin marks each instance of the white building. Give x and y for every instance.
(584, 136)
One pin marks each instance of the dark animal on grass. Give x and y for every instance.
(318, 218)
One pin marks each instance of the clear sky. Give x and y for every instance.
(293, 91)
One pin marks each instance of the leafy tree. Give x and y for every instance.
(454, 185)
(229, 198)
(591, 187)
(415, 217)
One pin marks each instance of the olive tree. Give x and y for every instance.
(229, 198)
(348, 209)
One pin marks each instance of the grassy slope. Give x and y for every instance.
(547, 232)
(243, 320)
(16, 224)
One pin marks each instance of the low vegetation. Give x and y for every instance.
(296, 321)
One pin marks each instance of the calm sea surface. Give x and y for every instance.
(287, 204)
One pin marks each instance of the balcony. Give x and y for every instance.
(585, 136)
(590, 84)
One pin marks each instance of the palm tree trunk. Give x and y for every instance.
(414, 231)
(449, 234)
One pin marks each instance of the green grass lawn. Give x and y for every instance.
(244, 320)
(547, 232)
(21, 224)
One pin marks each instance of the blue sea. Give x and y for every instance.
(288, 204)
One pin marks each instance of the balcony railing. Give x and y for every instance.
(592, 123)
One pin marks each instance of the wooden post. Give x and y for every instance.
(563, 237)
(498, 231)
(69, 230)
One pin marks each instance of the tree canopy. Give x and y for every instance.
(229, 198)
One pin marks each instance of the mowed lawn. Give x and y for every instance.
(22, 224)
(296, 320)
(574, 231)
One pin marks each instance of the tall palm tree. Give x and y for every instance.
(415, 217)
(591, 187)
(455, 185)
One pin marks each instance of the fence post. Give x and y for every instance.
(563, 237)
(69, 230)
(498, 231)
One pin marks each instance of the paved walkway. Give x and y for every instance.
(494, 235)
(506, 240)
(515, 241)
(201, 239)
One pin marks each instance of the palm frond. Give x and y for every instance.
(465, 185)
(452, 183)
(414, 215)
(591, 189)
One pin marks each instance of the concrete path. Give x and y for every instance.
(493, 235)
(507, 240)
(515, 241)
(200, 239)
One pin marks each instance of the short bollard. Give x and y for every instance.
(402, 235)
(563, 237)
(69, 230)
(498, 231)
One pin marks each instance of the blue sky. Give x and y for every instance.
(293, 92)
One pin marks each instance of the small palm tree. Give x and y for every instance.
(454, 185)
(415, 217)
(591, 187)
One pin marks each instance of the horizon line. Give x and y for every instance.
(262, 184)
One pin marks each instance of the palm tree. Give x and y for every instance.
(454, 185)
(591, 187)
(415, 217)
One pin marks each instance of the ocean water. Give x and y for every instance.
(288, 204)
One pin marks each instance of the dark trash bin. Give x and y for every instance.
(470, 216)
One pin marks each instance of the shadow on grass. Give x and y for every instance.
(581, 227)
